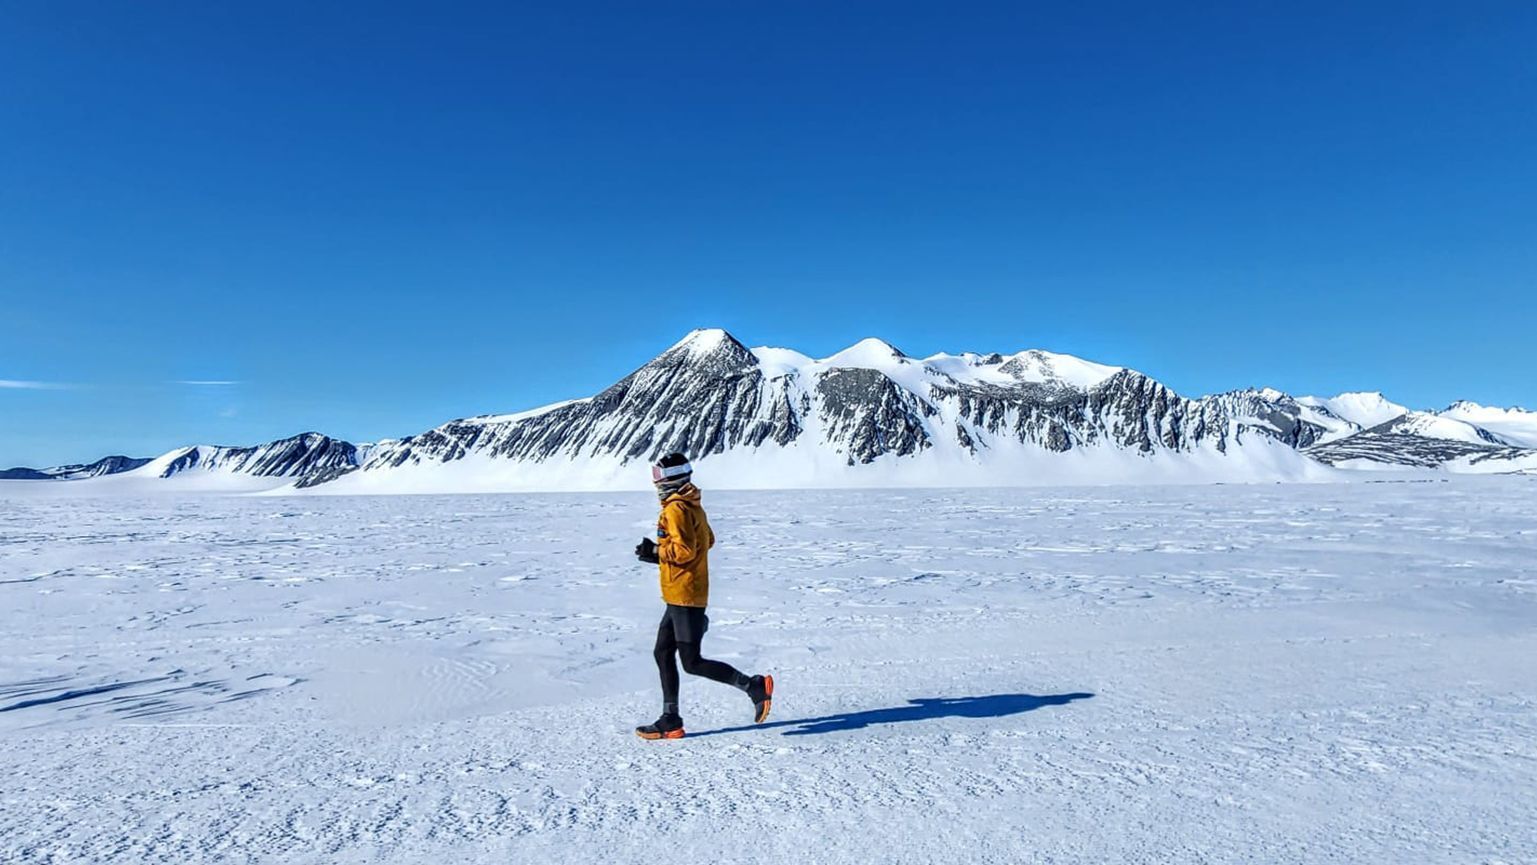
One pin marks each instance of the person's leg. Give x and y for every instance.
(719, 671)
(690, 624)
(666, 649)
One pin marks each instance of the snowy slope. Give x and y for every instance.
(1426, 440)
(1514, 425)
(1428, 425)
(1320, 673)
(1365, 409)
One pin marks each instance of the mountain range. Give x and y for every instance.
(872, 416)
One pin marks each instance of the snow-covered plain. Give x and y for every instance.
(1274, 673)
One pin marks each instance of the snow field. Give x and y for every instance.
(1190, 674)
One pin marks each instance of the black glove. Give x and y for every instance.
(646, 551)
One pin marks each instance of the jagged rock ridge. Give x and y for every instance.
(709, 395)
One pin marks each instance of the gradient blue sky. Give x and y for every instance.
(376, 217)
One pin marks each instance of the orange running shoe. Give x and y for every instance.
(665, 727)
(761, 690)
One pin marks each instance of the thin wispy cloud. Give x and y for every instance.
(206, 382)
(14, 384)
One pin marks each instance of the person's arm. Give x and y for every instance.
(676, 547)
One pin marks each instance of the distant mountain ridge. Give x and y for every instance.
(297, 456)
(105, 466)
(870, 414)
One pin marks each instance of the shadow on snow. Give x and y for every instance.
(993, 706)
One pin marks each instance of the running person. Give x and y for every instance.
(682, 551)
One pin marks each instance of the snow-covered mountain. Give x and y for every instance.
(1299, 422)
(295, 457)
(217, 467)
(105, 466)
(870, 415)
(1365, 430)
(1425, 440)
(1516, 426)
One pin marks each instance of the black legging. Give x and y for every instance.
(667, 646)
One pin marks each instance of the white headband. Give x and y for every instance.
(660, 473)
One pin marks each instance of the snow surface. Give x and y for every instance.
(1174, 674)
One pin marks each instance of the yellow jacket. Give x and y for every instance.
(683, 542)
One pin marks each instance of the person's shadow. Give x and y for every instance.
(923, 709)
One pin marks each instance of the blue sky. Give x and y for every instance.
(374, 218)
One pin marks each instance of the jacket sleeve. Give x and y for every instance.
(676, 546)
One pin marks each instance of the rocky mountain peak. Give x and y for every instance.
(711, 350)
